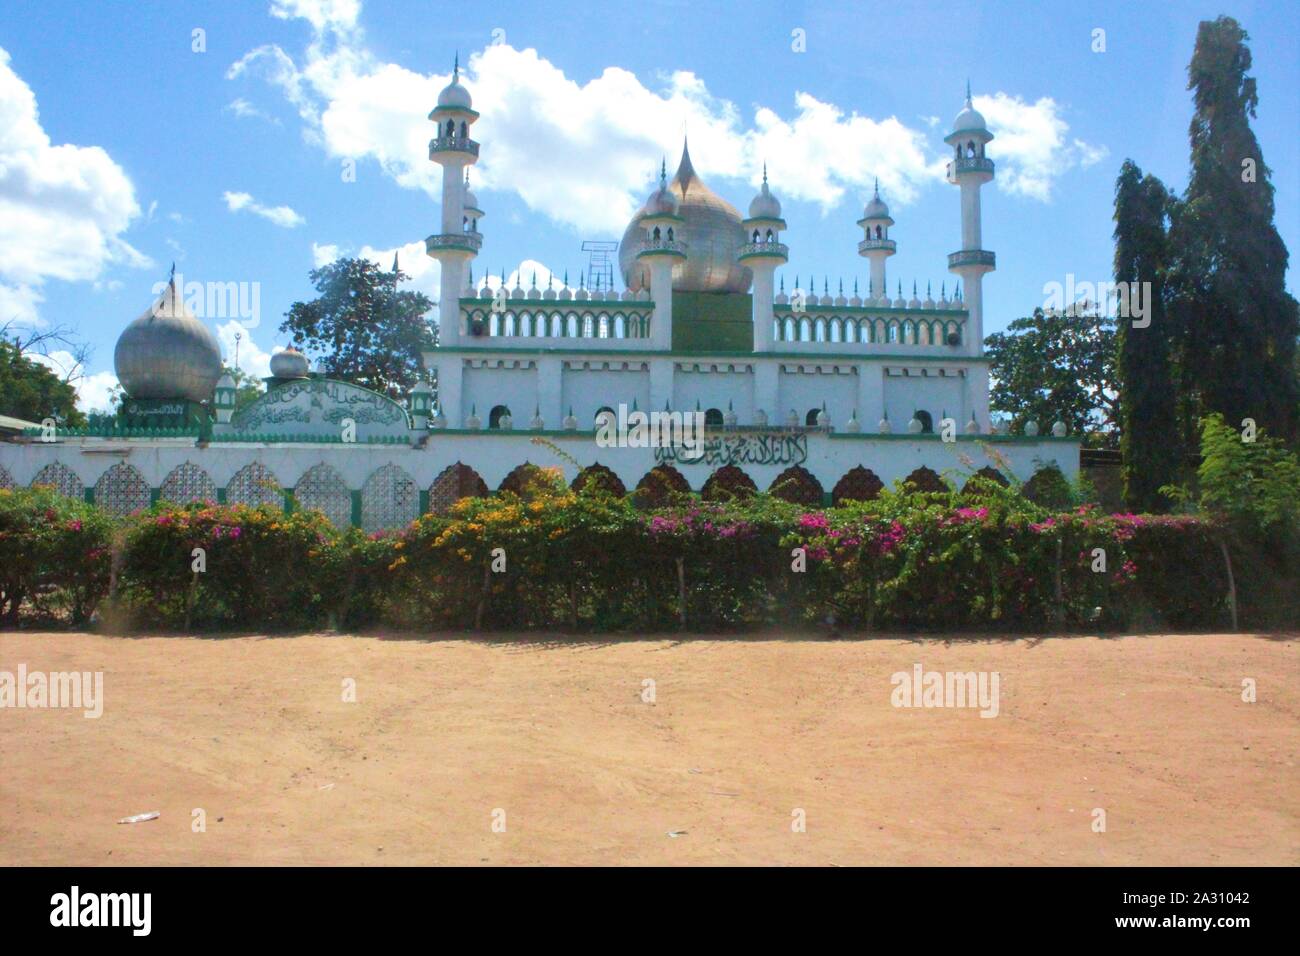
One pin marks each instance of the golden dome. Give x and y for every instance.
(711, 230)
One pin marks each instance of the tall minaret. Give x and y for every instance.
(661, 250)
(763, 251)
(970, 169)
(876, 244)
(459, 240)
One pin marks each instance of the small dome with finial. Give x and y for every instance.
(876, 208)
(289, 363)
(969, 119)
(453, 95)
(663, 201)
(765, 205)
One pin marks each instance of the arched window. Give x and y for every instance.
(464, 130)
(670, 233)
(770, 237)
(879, 234)
(713, 418)
(788, 335)
(811, 418)
(451, 128)
(494, 416)
(926, 420)
(755, 235)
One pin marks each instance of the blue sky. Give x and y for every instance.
(122, 149)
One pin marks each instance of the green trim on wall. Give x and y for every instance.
(356, 508)
(288, 501)
(424, 501)
(221, 496)
(89, 493)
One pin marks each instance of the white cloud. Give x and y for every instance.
(253, 359)
(282, 216)
(63, 209)
(582, 154)
(246, 110)
(1030, 147)
(93, 391)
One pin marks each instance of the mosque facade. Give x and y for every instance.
(820, 396)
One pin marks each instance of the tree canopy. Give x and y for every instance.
(362, 328)
(1057, 366)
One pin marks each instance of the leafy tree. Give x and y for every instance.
(32, 391)
(1054, 366)
(1149, 433)
(362, 328)
(1237, 323)
(1255, 485)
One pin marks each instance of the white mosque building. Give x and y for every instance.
(819, 397)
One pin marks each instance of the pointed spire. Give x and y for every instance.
(782, 283)
(855, 285)
(764, 172)
(968, 91)
(566, 278)
(913, 288)
(455, 68)
(877, 187)
(397, 270)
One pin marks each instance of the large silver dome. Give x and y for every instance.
(168, 353)
(711, 231)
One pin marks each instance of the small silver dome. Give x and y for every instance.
(289, 364)
(168, 353)
(454, 95)
(765, 205)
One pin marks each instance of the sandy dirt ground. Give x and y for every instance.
(741, 734)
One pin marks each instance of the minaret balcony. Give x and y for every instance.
(452, 144)
(768, 250)
(969, 164)
(469, 242)
(662, 247)
(877, 245)
(973, 257)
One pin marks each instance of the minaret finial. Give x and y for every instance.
(877, 187)
(171, 276)
(968, 91)
(765, 172)
(455, 69)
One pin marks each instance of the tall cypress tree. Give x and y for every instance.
(1150, 442)
(1237, 323)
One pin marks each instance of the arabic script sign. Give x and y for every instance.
(784, 448)
(320, 406)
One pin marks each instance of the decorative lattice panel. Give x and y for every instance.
(254, 484)
(456, 482)
(974, 486)
(6, 479)
(659, 485)
(600, 478)
(323, 489)
(186, 483)
(924, 479)
(122, 490)
(389, 499)
(858, 484)
(726, 483)
(62, 478)
(797, 484)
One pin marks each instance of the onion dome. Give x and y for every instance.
(972, 426)
(914, 302)
(1059, 429)
(289, 363)
(781, 297)
(839, 298)
(533, 291)
(914, 426)
(853, 426)
(473, 423)
(549, 294)
(538, 423)
(453, 95)
(760, 418)
(1031, 428)
(883, 425)
(764, 205)
(929, 299)
(711, 234)
(900, 302)
(168, 353)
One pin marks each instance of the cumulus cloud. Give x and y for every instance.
(584, 154)
(63, 208)
(243, 109)
(94, 392)
(1030, 146)
(282, 216)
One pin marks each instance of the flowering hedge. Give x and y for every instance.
(548, 556)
